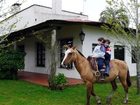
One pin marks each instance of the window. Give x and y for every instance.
(133, 54)
(93, 46)
(119, 52)
(62, 51)
(40, 49)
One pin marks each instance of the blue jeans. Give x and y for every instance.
(107, 66)
(100, 62)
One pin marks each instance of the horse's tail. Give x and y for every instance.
(128, 79)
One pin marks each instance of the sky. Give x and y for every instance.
(92, 8)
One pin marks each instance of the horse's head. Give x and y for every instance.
(69, 55)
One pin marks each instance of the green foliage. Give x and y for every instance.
(115, 13)
(10, 62)
(59, 81)
(118, 15)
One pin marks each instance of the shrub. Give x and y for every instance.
(59, 81)
(10, 62)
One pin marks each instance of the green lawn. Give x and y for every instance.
(23, 93)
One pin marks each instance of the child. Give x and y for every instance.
(107, 56)
(99, 54)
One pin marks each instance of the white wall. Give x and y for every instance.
(42, 14)
(30, 57)
(70, 31)
(33, 15)
(20, 21)
(30, 49)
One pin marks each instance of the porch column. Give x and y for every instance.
(53, 57)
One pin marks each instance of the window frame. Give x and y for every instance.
(119, 56)
(133, 55)
(40, 55)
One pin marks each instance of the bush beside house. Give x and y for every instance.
(10, 62)
(59, 81)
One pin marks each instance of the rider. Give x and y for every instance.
(99, 54)
(107, 56)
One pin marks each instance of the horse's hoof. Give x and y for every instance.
(125, 101)
(98, 102)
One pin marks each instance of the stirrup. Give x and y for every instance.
(97, 73)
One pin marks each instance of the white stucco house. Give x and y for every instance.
(67, 26)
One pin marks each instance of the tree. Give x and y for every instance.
(7, 12)
(128, 36)
(52, 45)
(11, 60)
(114, 14)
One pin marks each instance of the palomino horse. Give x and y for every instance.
(118, 69)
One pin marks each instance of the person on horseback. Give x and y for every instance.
(99, 54)
(107, 56)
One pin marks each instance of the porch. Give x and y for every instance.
(42, 79)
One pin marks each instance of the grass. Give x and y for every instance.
(24, 93)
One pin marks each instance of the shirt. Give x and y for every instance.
(108, 50)
(99, 51)
(108, 53)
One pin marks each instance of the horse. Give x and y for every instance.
(89, 75)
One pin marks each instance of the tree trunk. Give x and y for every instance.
(53, 59)
(138, 81)
(138, 72)
(138, 47)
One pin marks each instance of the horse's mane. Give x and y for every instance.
(80, 53)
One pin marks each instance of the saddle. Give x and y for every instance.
(94, 66)
(93, 63)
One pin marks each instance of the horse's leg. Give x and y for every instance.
(114, 87)
(89, 89)
(125, 86)
(97, 98)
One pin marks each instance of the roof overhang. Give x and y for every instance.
(48, 24)
(52, 24)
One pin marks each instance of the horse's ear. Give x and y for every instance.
(74, 47)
